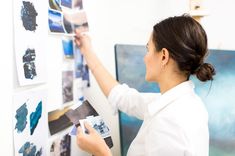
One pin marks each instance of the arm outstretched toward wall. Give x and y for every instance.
(92, 142)
(105, 80)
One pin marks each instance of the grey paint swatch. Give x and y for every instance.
(28, 16)
(29, 149)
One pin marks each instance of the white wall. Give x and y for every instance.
(6, 59)
(220, 24)
(111, 22)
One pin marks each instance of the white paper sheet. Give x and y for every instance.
(31, 35)
(30, 122)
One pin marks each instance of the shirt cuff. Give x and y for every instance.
(114, 96)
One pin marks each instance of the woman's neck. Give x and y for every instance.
(170, 83)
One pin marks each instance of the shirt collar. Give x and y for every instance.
(165, 99)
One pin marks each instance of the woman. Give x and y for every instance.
(175, 121)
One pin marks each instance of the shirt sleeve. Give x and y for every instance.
(129, 100)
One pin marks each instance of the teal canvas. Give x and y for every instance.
(218, 96)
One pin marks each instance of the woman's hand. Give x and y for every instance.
(92, 142)
(83, 41)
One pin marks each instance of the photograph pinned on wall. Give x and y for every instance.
(61, 146)
(58, 121)
(68, 48)
(29, 56)
(29, 122)
(81, 68)
(85, 76)
(65, 23)
(55, 21)
(75, 20)
(78, 61)
(78, 91)
(72, 4)
(55, 4)
(81, 112)
(67, 86)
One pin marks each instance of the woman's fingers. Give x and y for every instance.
(89, 128)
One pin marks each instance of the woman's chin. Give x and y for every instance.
(147, 79)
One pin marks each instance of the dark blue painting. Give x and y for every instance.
(217, 95)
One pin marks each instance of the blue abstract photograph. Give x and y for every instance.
(55, 21)
(218, 96)
(68, 47)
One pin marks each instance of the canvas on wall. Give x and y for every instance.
(30, 123)
(30, 32)
(129, 126)
(219, 99)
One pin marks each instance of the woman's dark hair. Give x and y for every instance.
(186, 41)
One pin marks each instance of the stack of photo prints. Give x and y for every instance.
(75, 115)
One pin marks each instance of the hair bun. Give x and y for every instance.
(205, 72)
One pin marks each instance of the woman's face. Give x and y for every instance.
(152, 61)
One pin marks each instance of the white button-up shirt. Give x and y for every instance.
(175, 123)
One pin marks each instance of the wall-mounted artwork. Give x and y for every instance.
(72, 4)
(61, 146)
(219, 100)
(67, 43)
(30, 44)
(30, 123)
(58, 121)
(55, 4)
(67, 86)
(218, 96)
(55, 21)
(81, 68)
(129, 58)
(66, 22)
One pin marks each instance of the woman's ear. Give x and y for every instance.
(165, 56)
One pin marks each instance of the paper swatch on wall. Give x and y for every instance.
(30, 45)
(61, 146)
(30, 123)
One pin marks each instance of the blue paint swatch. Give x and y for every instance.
(28, 16)
(21, 117)
(34, 117)
(29, 149)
